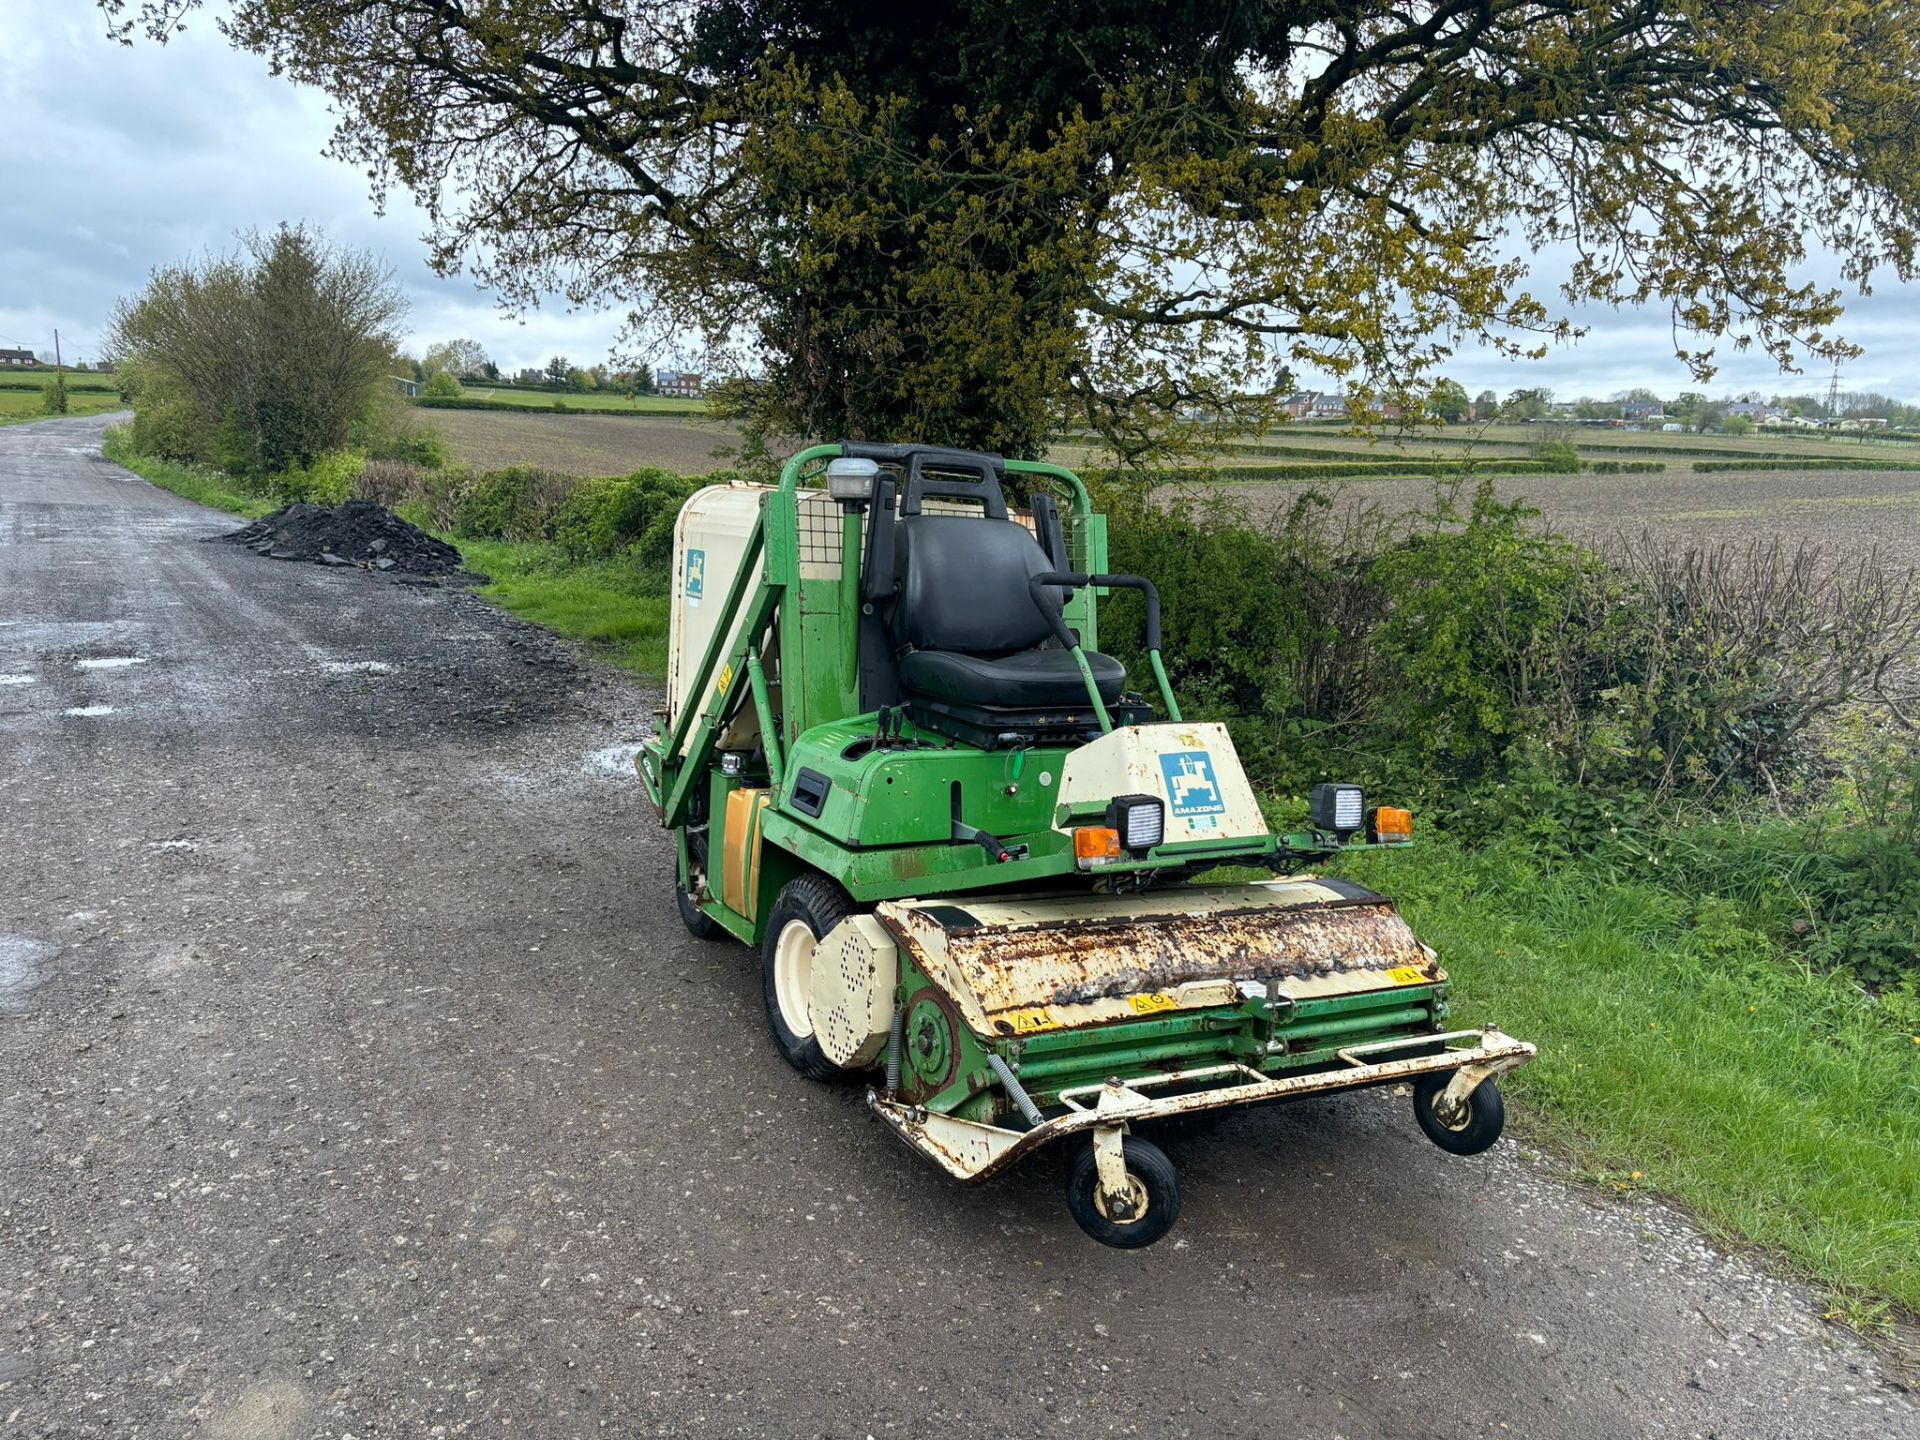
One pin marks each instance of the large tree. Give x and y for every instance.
(980, 220)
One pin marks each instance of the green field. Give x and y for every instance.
(19, 406)
(601, 401)
(12, 381)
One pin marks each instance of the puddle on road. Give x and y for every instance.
(22, 960)
(89, 710)
(356, 667)
(16, 679)
(109, 662)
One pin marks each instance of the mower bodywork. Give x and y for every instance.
(974, 860)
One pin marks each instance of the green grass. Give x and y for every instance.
(615, 605)
(1682, 1054)
(197, 483)
(19, 406)
(82, 381)
(600, 401)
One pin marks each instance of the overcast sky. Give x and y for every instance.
(120, 159)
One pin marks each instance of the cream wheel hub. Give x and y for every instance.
(793, 976)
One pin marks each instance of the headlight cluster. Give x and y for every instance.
(1342, 810)
(1135, 824)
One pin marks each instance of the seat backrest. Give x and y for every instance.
(963, 586)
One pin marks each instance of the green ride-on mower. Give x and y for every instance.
(975, 861)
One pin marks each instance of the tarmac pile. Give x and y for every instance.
(359, 532)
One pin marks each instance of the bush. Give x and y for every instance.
(517, 503)
(1558, 457)
(389, 482)
(328, 481)
(443, 385)
(636, 512)
(53, 399)
(1480, 643)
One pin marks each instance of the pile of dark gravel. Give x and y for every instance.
(356, 533)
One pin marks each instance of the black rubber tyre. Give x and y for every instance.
(1486, 1115)
(700, 925)
(1149, 1167)
(815, 902)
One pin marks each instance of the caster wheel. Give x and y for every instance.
(1478, 1124)
(1156, 1195)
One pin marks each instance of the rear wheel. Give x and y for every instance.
(700, 925)
(1156, 1196)
(807, 908)
(1475, 1127)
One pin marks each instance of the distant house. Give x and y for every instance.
(1329, 405)
(679, 384)
(1756, 412)
(1638, 412)
(403, 386)
(17, 359)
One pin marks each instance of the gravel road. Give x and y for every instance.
(357, 1079)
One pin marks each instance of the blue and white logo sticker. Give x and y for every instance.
(696, 574)
(1192, 788)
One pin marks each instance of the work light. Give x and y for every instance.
(1339, 808)
(850, 481)
(1140, 819)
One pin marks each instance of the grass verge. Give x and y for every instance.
(197, 483)
(1682, 1053)
(614, 605)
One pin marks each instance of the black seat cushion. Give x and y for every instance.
(1030, 678)
(963, 586)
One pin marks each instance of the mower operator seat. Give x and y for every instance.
(966, 624)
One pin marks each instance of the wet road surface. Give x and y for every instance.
(357, 1078)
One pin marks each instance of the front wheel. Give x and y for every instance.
(1156, 1196)
(1477, 1125)
(806, 909)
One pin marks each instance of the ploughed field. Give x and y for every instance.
(582, 444)
(1850, 510)
(1845, 511)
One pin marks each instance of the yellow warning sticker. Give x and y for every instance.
(1407, 975)
(1149, 1004)
(721, 685)
(1026, 1022)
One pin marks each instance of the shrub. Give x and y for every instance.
(53, 399)
(635, 512)
(328, 481)
(443, 385)
(1483, 640)
(1628, 467)
(389, 482)
(1558, 457)
(517, 503)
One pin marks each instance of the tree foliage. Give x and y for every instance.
(263, 359)
(980, 220)
(463, 359)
